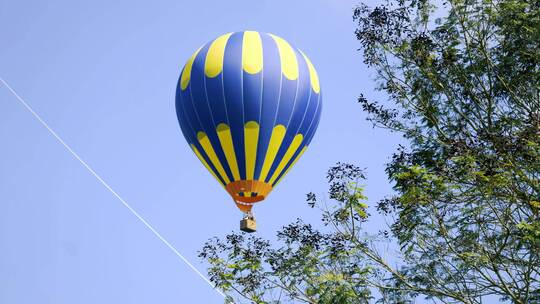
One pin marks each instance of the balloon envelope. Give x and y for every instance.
(248, 104)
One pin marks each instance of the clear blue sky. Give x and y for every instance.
(103, 74)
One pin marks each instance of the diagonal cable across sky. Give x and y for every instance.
(106, 185)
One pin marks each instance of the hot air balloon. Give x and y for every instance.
(248, 104)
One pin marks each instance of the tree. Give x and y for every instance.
(463, 89)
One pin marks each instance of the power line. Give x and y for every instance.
(135, 213)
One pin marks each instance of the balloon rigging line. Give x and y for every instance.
(135, 213)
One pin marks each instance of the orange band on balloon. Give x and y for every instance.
(237, 188)
(245, 207)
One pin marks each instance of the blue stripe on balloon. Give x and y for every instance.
(303, 97)
(187, 111)
(180, 112)
(182, 102)
(232, 84)
(310, 113)
(296, 113)
(311, 124)
(252, 85)
(202, 107)
(316, 119)
(216, 99)
(270, 96)
(287, 99)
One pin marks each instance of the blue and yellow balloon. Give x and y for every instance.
(248, 104)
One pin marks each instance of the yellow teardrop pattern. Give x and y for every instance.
(313, 77)
(289, 64)
(297, 140)
(209, 150)
(225, 138)
(252, 52)
(186, 74)
(251, 138)
(199, 156)
(213, 64)
(273, 147)
(290, 167)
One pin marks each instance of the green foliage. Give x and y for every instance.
(308, 266)
(463, 89)
(466, 91)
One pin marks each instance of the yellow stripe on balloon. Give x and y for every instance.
(314, 78)
(252, 52)
(209, 150)
(290, 167)
(251, 138)
(289, 64)
(287, 157)
(213, 64)
(225, 138)
(206, 164)
(273, 147)
(186, 74)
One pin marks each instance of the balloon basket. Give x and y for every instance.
(248, 224)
